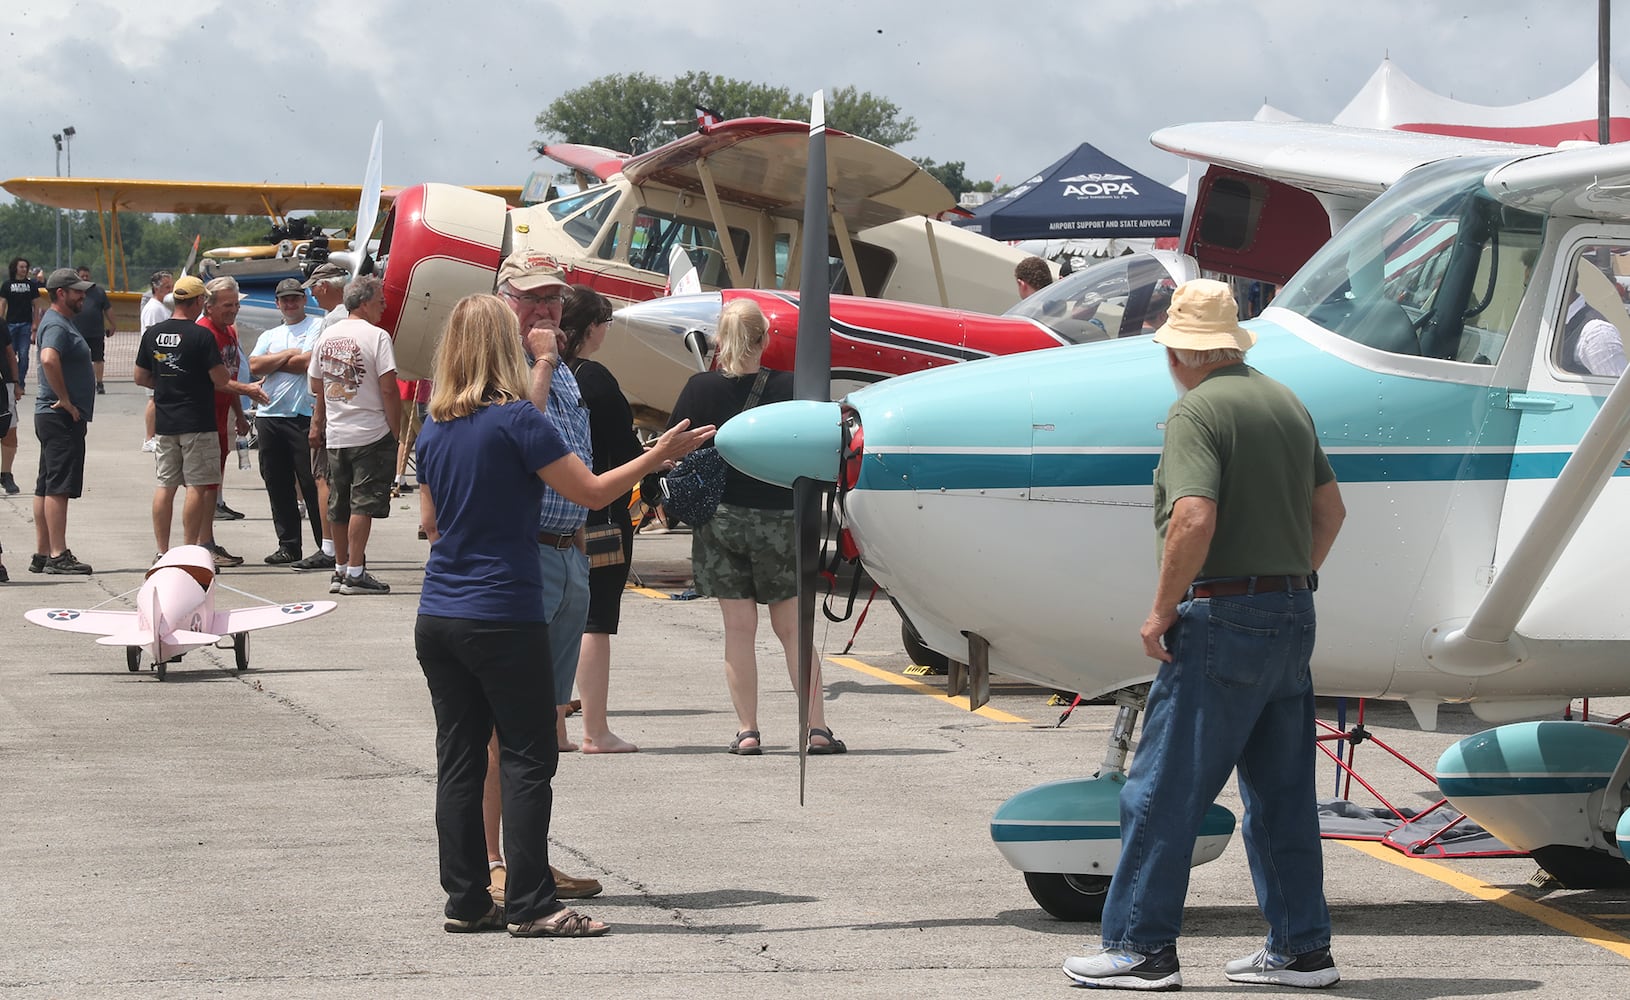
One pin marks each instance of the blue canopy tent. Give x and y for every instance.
(1086, 195)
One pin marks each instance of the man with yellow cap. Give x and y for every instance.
(1246, 509)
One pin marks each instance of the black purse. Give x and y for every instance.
(692, 489)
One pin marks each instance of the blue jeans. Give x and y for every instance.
(1237, 692)
(22, 339)
(566, 609)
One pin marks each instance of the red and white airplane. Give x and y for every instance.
(729, 196)
(176, 614)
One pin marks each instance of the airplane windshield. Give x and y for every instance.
(1123, 297)
(1434, 268)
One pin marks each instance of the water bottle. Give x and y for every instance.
(243, 452)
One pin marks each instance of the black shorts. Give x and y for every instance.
(99, 348)
(7, 405)
(62, 454)
(606, 585)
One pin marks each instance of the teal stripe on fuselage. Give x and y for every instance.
(1493, 785)
(1116, 394)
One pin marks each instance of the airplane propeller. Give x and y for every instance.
(811, 380)
(355, 259)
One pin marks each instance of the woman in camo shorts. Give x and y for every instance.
(744, 555)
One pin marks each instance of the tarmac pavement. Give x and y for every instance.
(269, 834)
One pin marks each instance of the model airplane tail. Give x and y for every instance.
(135, 637)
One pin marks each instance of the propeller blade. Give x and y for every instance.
(812, 380)
(355, 258)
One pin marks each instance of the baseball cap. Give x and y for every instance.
(529, 269)
(290, 286)
(187, 287)
(66, 277)
(324, 271)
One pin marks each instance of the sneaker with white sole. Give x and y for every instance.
(1312, 969)
(317, 560)
(335, 582)
(1119, 969)
(367, 583)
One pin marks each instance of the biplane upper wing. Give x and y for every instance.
(759, 162)
(200, 197)
(88, 622)
(269, 615)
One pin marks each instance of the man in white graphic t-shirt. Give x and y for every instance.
(353, 379)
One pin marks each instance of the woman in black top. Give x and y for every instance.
(744, 555)
(584, 319)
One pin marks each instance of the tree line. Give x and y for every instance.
(151, 242)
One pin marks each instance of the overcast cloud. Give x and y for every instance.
(266, 90)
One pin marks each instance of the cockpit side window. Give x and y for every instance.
(655, 235)
(1433, 269)
(1588, 340)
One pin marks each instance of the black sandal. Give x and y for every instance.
(831, 746)
(741, 751)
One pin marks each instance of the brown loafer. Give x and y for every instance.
(567, 887)
(563, 923)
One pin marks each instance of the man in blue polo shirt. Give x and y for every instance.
(283, 425)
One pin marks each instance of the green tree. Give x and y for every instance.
(623, 110)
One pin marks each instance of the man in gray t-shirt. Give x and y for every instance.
(62, 413)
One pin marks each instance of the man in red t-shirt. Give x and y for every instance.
(220, 313)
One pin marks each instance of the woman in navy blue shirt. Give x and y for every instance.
(482, 460)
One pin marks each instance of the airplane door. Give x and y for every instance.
(1579, 357)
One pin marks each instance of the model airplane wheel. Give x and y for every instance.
(919, 653)
(160, 666)
(240, 650)
(1069, 897)
(133, 658)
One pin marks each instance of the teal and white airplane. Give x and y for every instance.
(1457, 344)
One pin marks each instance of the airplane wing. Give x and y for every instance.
(1332, 159)
(88, 622)
(759, 162)
(200, 197)
(596, 161)
(269, 615)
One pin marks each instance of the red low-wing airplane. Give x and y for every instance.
(874, 339)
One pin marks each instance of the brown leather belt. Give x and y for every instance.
(557, 541)
(1243, 585)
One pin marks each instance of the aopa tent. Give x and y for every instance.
(1086, 195)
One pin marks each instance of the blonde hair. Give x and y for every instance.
(743, 332)
(479, 361)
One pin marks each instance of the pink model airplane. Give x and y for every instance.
(175, 614)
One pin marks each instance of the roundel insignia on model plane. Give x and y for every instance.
(297, 609)
(62, 615)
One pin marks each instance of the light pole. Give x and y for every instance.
(68, 135)
(56, 137)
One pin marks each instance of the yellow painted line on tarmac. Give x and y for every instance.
(1534, 910)
(994, 714)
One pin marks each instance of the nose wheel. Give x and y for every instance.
(240, 650)
(1069, 897)
(133, 658)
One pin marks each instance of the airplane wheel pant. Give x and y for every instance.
(1237, 690)
(285, 463)
(481, 675)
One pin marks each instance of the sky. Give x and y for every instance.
(267, 90)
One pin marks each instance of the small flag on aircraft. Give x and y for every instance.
(706, 117)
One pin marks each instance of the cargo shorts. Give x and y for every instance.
(745, 553)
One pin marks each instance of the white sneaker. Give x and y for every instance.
(1118, 969)
(150, 445)
(1313, 970)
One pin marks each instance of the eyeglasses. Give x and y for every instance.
(536, 300)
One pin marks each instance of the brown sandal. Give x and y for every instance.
(563, 923)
